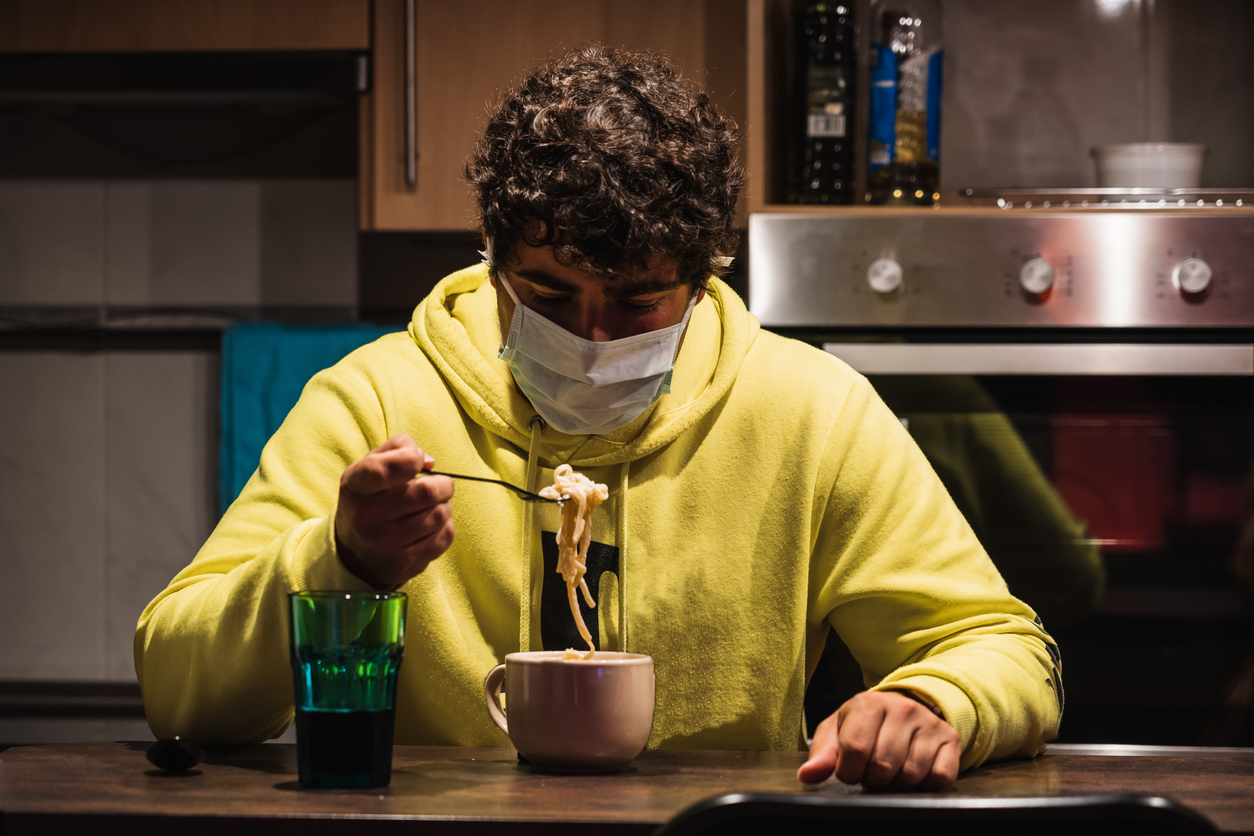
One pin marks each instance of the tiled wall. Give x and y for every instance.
(178, 243)
(1031, 87)
(52, 516)
(108, 491)
(109, 458)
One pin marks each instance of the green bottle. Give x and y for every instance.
(823, 148)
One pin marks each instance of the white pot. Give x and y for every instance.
(1149, 165)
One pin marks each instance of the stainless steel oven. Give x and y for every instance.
(1079, 369)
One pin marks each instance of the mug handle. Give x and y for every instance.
(492, 694)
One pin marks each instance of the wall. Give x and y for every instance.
(109, 456)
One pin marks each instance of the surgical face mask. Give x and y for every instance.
(583, 387)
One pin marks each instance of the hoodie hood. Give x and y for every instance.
(457, 327)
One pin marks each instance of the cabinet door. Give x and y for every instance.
(465, 53)
(175, 25)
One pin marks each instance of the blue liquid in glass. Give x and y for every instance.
(345, 715)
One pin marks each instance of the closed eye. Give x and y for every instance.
(548, 300)
(643, 305)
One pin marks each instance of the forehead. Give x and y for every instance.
(541, 266)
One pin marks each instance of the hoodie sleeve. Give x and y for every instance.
(211, 651)
(898, 573)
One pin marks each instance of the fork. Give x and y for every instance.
(525, 496)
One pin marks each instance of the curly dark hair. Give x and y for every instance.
(614, 160)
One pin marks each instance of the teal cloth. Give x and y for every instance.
(265, 366)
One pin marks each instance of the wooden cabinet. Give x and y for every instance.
(464, 53)
(447, 59)
(176, 25)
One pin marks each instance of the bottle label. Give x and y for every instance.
(825, 101)
(934, 64)
(825, 125)
(918, 108)
(883, 105)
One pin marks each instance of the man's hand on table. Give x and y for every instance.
(389, 523)
(884, 740)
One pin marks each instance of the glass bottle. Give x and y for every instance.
(904, 146)
(823, 149)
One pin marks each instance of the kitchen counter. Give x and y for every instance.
(105, 788)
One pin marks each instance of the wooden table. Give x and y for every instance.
(110, 788)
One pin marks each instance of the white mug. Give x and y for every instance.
(574, 715)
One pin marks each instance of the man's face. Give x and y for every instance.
(591, 306)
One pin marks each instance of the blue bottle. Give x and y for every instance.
(905, 104)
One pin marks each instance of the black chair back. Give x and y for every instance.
(767, 814)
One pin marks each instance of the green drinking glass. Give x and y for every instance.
(346, 652)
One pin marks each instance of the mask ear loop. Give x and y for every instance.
(486, 253)
(683, 323)
(515, 321)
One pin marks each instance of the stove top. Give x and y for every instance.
(1106, 199)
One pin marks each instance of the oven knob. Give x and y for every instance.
(1191, 275)
(1037, 276)
(884, 275)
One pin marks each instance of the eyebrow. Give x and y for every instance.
(627, 291)
(545, 279)
(613, 289)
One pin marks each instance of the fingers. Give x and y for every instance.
(386, 551)
(399, 518)
(390, 522)
(403, 503)
(858, 736)
(822, 761)
(389, 465)
(944, 769)
(414, 557)
(884, 740)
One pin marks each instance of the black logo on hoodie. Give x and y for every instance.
(557, 627)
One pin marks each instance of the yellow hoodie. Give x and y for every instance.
(769, 495)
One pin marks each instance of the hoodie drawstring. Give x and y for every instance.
(621, 537)
(537, 426)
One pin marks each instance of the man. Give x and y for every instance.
(760, 492)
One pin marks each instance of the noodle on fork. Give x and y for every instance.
(573, 537)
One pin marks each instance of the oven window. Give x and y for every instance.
(1119, 508)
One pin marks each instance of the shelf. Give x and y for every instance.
(807, 209)
(771, 47)
(87, 328)
(986, 202)
(990, 211)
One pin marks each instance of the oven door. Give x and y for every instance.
(1083, 382)
(1110, 483)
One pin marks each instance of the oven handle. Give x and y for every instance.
(1046, 359)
